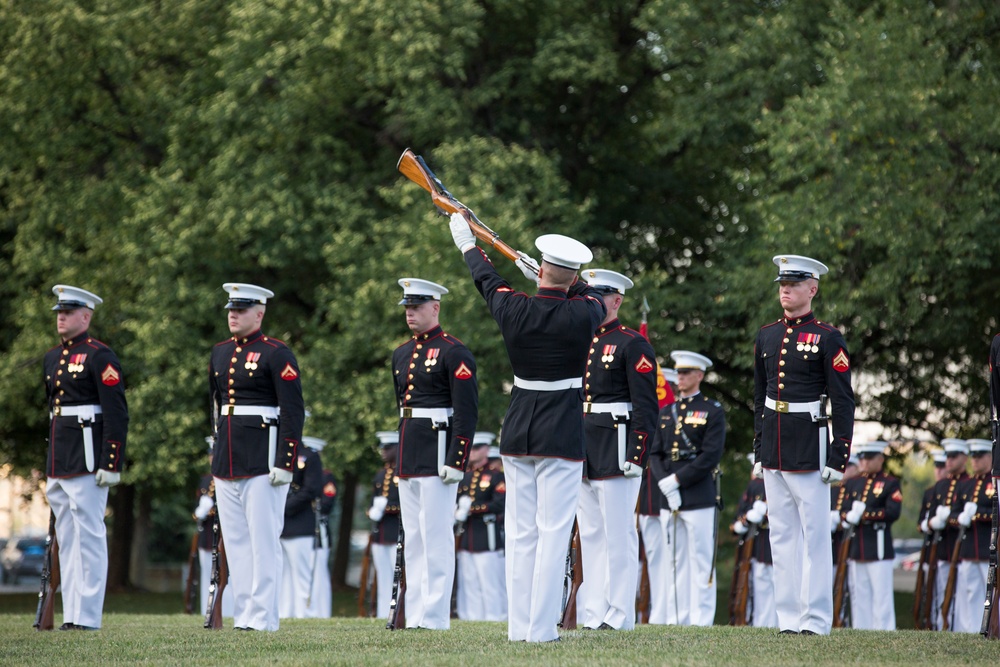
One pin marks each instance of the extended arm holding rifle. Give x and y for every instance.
(44, 615)
(414, 168)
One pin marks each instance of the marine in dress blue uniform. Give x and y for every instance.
(256, 394)
(298, 535)
(690, 439)
(975, 497)
(434, 375)
(873, 503)
(619, 419)
(481, 494)
(88, 426)
(799, 359)
(752, 509)
(945, 507)
(547, 337)
(384, 514)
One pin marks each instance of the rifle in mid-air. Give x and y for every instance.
(397, 614)
(414, 168)
(44, 615)
(573, 580)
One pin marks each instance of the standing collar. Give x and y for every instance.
(247, 340)
(76, 340)
(430, 333)
(610, 326)
(798, 321)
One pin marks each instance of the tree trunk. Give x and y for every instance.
(140, 542)
(342, 555)
(120, 502)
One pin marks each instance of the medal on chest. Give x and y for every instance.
(808, 343)
(990, 490)
(878, 488)
(609, 353)
(76, 363)
(696, 417)
(432, 357)
(252, 359)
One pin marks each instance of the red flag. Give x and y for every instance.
(664, 394)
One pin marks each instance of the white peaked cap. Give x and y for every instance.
(610, 281)
(873, 447)
(483, 438)
(387, 438)
(71, 298)
(684, 360)
(669, 374)
(563, 251)
(955, 445)
(244, 295)
(796, 268)
(313, 443)
(417, 291)
(938, 456)
(980, 445)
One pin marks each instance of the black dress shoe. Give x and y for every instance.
(606, 626)
(85, 627)
(67, 626)
(808, 632)
(788, 632)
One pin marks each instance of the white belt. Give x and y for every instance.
(265, 411)
(439, 418)
(621, 412)
(85, 411)
(84, 416)
(781, 406)
(543, 385)
(268, 412)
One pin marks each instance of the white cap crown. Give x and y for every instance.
(417, 291)
(608, 281)
(686, 360)
(563, 251)
(387, 438)
(71, 298)
(796, 268)
(245, 295)
(316, 444)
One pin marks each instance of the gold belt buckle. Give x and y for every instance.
(227, 410)
(675, 455)
(407, 413)
(587, 407)
(57, 410)
(780, 406)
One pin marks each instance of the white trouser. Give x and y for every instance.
(384, 560)
(970, 593)
(940, 584)
(542, 496)
(296, 567)
(321, 604)
(480, 590)
(692, 589)
(79, 505)
(764, 615)
(205, 562)
(872, 601)
(428, 510)
(798, 509)
(252, 514)
(609, 544)
(653, 543)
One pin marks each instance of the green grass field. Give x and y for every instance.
(139, 629)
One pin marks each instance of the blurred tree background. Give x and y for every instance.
(151, 151)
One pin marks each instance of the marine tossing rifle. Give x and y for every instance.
(414, 168)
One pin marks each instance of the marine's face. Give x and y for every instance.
(796, 297)
(422, 317)
(244, 321)
(72, 323)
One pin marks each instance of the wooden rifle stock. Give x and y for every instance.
(51, 576)
(574, 575)
(397, 614)
(414, 168)
(642, 600)
(220, 577)
(949, 589)
(927, 603)
(739, 595)
(840, 591)
(366, 581)
(918, 591)
(194, 573)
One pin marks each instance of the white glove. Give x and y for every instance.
(451, 475)
(854, 516)
(377, 510)
(464, 505)
(970, 508)
(108, 478)
(943, 512)
(671, 488)
(632, 470)
(280, 477)
(969, 511)
(461, 233)
(831, 476)
(205, 505)
(758, 470)
(740, 528)
(528, 266)
(937, 523)
(834, 521)
(757, 512)
(924, 526)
